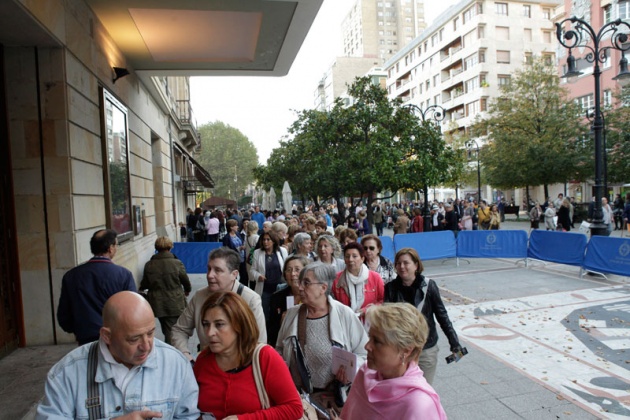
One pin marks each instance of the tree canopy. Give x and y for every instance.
(618, 138)
(370, 146)
(227, 153)
(536, 134)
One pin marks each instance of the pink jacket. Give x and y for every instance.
(407, 397)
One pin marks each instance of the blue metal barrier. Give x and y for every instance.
(388, 248)
(492, 244)
(429, 245)
(608, 255)
(559, 247)
(194, 255)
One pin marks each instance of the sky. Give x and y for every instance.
(263, 108)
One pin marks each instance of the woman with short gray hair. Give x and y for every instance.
(328, 251)
(303, 245)
(327, 323)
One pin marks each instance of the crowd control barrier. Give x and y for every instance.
(388, 251)
(608, 255)
(559, 247)
(429, 245)
(194, 255)
(492, 244)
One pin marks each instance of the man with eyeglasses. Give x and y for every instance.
(86, 288)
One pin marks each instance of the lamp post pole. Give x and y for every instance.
(469, 146)
(578, 35)
(434, 113)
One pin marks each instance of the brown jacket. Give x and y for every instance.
(401, 225)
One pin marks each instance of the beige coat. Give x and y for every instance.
(401, 225)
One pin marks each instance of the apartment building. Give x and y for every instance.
(463, 58)
(597, 14)
(379, 28)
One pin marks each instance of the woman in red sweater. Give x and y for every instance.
(357, 286)
(227, 388)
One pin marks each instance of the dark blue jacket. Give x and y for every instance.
(84, 290)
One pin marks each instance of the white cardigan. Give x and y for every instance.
(258, 267)
(345, 329)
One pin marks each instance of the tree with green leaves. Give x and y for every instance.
(536, 134)
(372, 145)
(618, 138)
(228, 155)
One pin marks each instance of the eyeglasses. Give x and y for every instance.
(306, 283)
(371, 248)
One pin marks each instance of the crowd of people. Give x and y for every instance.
(311, 284)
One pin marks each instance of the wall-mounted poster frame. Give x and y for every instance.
(115, 141)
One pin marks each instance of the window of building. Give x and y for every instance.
(607, 13)
(501, 9)
(469, 38)
(471, 84)
(441, 34)
(428, 84)
(547, 37)
(608, 98)
(481, 32)
(502, 33)
(527, 34)
(546, 13)
(472, 109)
(434, 40)
(528, 58)
(624, 9)
(586, 102)
(456, 23)
(471, 61)
(549, 59)
(435, 79)
(527, 10)
(436, 100)
(503, 57)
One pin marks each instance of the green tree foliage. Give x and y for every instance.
(371, 146)
(226, 152)
(537, 136)
(618, 138)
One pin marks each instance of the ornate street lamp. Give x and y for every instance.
(469, 145)
(582, 35)
(435, 114)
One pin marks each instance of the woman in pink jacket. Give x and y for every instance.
(357, 286)
(391, 385)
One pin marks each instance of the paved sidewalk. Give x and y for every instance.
(543, 344)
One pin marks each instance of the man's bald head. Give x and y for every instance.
(124, 306)
(128, 328)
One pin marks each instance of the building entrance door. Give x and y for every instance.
(9, 270)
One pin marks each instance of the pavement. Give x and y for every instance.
(543, 343)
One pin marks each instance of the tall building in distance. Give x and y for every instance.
(378, 28)
(463, 58)
(372, 32)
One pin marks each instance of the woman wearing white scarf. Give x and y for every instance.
(357, 286)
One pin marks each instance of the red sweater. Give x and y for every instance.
(224, 394)
(373, 292)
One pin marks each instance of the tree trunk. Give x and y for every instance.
(341, 210)
(546, 191)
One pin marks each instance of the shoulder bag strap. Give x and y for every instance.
(301, 330)
(305, 373)
(239, 291)
(258, 378)
(93, 401)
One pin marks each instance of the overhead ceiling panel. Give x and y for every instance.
(207, 37)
